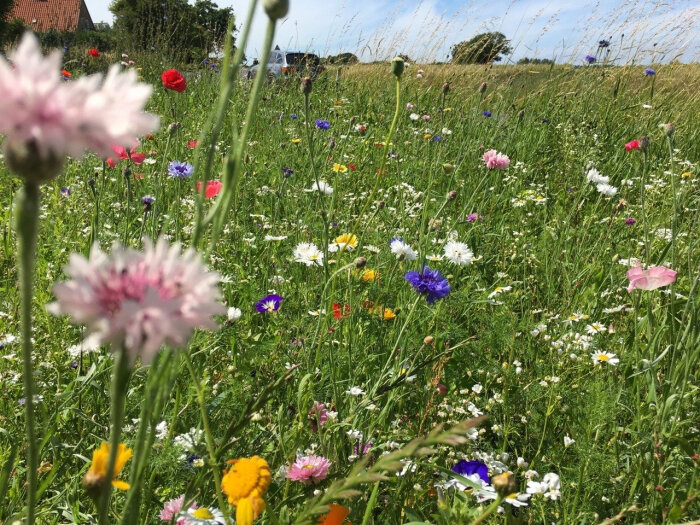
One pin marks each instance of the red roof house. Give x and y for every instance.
(61, 15)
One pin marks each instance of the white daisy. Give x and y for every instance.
(203, 516)
(604, 357)
(309, 254)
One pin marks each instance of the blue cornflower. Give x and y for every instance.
(323, 124)
(147, 201)
(180, 170)
(65, 192)
(430, 283)
(604, 43)
(589, 59)
(287, 172)
(293, 116)
(485, 113)
(649, 72)
(467, 468)
(205, 62)
(269, 303)
(437, 138)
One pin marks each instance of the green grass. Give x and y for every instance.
(634, 424)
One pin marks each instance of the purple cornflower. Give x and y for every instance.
(65, 192)
(649, 72)
(437, 138)
(269, 303)
(589, 59)
(604, 43)
(287, 172)
(180, 170)
(472, 217)
(147, 201)
(293, 116)
(430, 283)
(467, 468)
(629, 221)
(323, 124)
(485, 113)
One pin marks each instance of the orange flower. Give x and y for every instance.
(335, 516)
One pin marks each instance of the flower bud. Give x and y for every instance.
(644, 143)
(452, 195)
(276, 9)
(669, 129)
(445, 88)
(482, 87)
(360, 262)
(448, 168)
(504, 484)
(428, 340)
(173, 127)
(521, 114)
(307, 85)
(397, 66)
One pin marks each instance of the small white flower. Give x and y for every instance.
(604, 357)
(595, 177)
(309, 254)
(355, 391)
(233, 314)
(322, 187)
(568, 441)
(606, 189)
(458, 253)
(477, 388)
(402, 251)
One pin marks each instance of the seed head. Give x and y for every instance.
(482, 87)
(397, 66)
(307, 85)
(276, 9)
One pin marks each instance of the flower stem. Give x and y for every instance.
(120, 381)
(27, 226)
(211, 449)
(489, 510)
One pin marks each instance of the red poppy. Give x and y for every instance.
(193, 144)
(122, 154)
(173, 79)
(632, 145)
(213, 188)
(352, 167)
(341, 311)
(66, 73)
(94, 52)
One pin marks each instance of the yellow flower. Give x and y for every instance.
(370, 276)
(338, 103)
(349, 240)
(686, 175)
(296, 141)
(95, 476)
(245, 485)
(427, 136)
(339, 168)
(387, 314)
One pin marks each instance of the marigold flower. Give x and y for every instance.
(245, 484)
(95, 477)
(335, 516)
(139, 300)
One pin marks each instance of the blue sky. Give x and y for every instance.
(566, 30)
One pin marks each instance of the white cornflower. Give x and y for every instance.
(458, 253)
(322, 187)
(606, 189)
(233, 314)
(402, 251)
(309, 254)
(355, 391)
(595, 177)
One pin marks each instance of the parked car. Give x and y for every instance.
(284, 63)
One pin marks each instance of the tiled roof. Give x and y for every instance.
(42, 15)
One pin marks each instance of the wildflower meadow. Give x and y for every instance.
(389, 293)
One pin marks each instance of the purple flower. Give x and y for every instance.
(629, 221)
(649, 72)
(65, 192)
(180, 170)
(472, 217)
(589, 59)
(485, 113)
(287, 172)
(437, 138)
(323, 124)
(467, 468)
(604, 43)
(147, 201)
(429, 282)
(269, 303)
(293, 116)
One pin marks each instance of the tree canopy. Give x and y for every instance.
(482, 49)
(174, 26)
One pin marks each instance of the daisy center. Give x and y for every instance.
(603, 357)
(203, 513)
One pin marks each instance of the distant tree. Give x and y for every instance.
(343, 59)
(482, 49)
(171, 26)
(535, 61)
(5, 8)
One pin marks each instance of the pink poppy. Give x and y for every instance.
(650, 279)
(213, 188)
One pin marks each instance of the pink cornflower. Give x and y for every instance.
(45, 119)
(318, 415)
(650, 279)
(172, 508)
(494, 159)
(309, 469)
(632, 145)
(139, 300)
